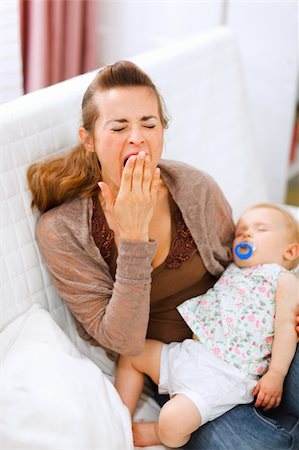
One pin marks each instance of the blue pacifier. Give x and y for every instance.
(244, 250)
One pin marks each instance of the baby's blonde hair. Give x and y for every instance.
(291, 223)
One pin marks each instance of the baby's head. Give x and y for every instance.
(272, 232)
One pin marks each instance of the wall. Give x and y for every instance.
(10, 52)
(130, 27)
(267, 35)
(268, 38)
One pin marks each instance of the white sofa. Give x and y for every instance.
(52, 397)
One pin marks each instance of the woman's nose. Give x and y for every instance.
(136, 137)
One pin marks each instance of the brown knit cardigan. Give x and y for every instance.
(112, 314)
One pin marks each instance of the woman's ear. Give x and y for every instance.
(86, 139)
(292, 252)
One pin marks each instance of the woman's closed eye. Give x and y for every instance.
(118, 129)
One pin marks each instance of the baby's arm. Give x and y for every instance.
(270, 386)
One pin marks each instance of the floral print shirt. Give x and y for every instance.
(235, 318)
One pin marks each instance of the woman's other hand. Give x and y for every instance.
(132, 209)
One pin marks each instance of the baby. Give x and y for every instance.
(234, 355)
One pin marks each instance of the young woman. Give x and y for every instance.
(127, 236)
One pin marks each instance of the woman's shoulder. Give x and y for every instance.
(173, 166)
(186, 176)
(71, 217)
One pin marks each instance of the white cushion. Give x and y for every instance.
(51, 396)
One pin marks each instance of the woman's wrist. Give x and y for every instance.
(134, 259)
(134, 237)
(136, 245)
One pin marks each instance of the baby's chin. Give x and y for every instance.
(250, 262)
(242, 262)
(246, 262)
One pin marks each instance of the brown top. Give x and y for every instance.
(115, 314)
(180, 277)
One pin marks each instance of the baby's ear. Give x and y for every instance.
(86, 139)
(292, 252)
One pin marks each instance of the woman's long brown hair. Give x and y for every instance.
(76, 174)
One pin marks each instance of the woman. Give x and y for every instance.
(127, 236)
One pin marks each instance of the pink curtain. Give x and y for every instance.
(59, 40)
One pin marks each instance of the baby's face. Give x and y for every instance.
(266, 230)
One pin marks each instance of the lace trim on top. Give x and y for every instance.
(180, 250)
(182, 244)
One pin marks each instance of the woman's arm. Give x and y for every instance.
(269, 387)
(115, 315)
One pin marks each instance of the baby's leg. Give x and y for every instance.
(179, 417)
(130, 372)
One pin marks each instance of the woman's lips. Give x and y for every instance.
(128, 156)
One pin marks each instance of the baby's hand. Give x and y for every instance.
(269, 390)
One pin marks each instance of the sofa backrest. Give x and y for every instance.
(202, 83)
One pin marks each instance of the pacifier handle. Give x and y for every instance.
(249, 249)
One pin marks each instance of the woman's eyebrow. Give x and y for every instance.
(148, 118)
(117, 120)
(143, 119)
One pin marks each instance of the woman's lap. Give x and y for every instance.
(290, 401)
(245, 428)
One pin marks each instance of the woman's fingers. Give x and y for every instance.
(155, 184)
(143, 181)
(147, 176)
(126, 179)
(138, 172)
(132, 209)
(137, 175)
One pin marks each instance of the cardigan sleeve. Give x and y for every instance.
(116, 316)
